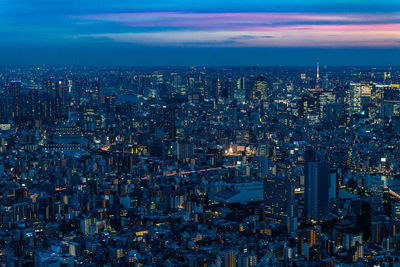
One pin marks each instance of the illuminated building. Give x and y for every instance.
(260, 165)
(229, 259)
(387, 77)
(260, 88)
(215, 88)
(354, 98)
(242, 137)
(241, 83)
(178, 85)
(396, 212)
(183, 151)
(325, 98)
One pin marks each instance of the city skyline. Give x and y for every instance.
(196, 133)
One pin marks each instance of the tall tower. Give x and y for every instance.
(317, 84)
(59, 99)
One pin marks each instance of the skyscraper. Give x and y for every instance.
(34, 101)
(240, 92)
(279, 201)
(95, 96)
(110, 103)
(59, 100)
(316, 191)
(215, 88)
(241, 83)
(260, 88)
(13, 88)
(13, 92)
(354, 98)
(169, 124)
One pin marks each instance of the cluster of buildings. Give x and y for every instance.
(199, 166)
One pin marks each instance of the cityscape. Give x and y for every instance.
(201, 133)
(200, 166)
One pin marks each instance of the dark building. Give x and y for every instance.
(47, 86)
(110, 104)
(279, 201)
(34, 101)
(13, 91)
(169, 124)
(59, 100)
(316, 191)
(95, 93)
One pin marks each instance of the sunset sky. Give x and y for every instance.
(285, 32)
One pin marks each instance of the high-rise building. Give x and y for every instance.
(95, 93)
(317, 82)
(215, 88)
(59, 100)
(260, 166)
(47, 107)
(169, 124)
(242, 136)
(13, 92)
(60, 89)
(354, 98)
(241, 83)
(34, 101)
(332, 184)
(226, 89)
(387, 77)
(110, 103)
(183, 151)
(316, 182)
(13, 88)
(279, 201)
(260, 88)
(240, 92)
(178, 85)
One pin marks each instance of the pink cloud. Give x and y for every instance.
(251, 29)
(236, 20)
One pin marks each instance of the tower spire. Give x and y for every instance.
(317, 81)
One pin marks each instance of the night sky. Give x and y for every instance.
(178, 32)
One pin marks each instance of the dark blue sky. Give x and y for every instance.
(177, 32)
